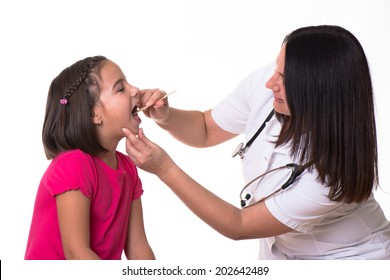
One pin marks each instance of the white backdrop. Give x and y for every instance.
(202, 48)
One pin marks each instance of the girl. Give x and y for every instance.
(88, 204)
(323, 129)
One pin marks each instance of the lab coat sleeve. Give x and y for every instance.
(303, 205)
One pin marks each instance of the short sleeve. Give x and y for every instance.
(138, 190)
(71, 171)
(303, 205)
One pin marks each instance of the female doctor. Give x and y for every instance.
(311, 132)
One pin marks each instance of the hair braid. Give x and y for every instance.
(83, 75)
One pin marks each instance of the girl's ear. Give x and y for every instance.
(97, 115)
(97, 120)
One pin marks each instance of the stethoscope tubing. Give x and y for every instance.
(258, 177)
(241, 150)
(297, 171)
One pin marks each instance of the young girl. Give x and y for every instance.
(88, 204)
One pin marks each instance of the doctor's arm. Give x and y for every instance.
(252, 222)
(194, 128)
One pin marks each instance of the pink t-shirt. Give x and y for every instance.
(110, 191)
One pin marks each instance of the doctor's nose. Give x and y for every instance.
(270, 84)
(274, 83)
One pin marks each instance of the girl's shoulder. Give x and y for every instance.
(73, 156)
(75, 161)
(71, 170)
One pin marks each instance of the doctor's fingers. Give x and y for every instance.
(132, 139)
(133, 145)
(144, 153)
(138, 153)
(155, 159)
(149, 97)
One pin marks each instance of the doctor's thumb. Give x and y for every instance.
(127, 133)
(141, 133)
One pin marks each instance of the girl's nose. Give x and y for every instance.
(134, 91)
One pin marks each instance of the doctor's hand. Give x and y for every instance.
(146, 154)
(158, 109)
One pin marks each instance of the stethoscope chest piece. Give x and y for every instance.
(240, 150)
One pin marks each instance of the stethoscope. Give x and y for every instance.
(295, 168)
(241, 148)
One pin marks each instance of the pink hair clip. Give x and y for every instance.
(64, 101)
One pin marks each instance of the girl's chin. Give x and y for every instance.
(134, 124)
(134, 129)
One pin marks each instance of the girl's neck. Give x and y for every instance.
(109, 158)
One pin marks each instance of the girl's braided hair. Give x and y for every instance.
(83, 75)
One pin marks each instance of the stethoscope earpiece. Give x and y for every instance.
(243, 201)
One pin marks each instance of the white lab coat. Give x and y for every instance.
(322, 229)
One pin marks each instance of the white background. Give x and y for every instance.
(202, 48)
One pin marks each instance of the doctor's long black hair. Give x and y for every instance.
(332, 123)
